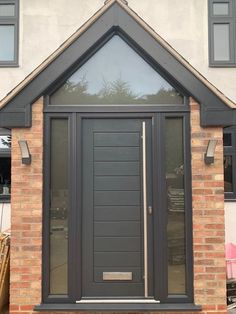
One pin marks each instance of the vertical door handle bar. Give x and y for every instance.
(145, 210)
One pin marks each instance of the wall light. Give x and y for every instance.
(25, 154)
(210, 152)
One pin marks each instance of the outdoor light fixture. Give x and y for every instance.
(25, 154)
(209, 155)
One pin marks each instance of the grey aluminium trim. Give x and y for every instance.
(159, 202)
(12, 20)
(131, 307)
(115, 20)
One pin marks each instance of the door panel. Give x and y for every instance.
(112, 212)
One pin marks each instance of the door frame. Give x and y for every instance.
(159, 202)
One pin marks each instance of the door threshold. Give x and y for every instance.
(89, 301)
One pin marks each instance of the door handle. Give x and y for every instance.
(145, 250)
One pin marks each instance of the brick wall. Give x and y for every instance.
(208, 219)
(26, 228)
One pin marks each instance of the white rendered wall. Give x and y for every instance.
(45, 24)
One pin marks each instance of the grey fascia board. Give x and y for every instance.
(114, 16)
(218, 117)
(16, 118)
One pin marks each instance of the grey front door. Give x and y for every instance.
(112, 208)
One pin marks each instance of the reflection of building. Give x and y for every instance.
(118, 207)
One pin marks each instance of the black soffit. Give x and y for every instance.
(119, 18)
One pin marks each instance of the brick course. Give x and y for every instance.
(208, 218)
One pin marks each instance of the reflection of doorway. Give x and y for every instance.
(113, 251)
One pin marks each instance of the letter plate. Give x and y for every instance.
(117, 276)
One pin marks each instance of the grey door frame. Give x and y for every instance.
(159, 205)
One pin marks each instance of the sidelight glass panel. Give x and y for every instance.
(59, 207)
(221, 42)
(7, 42)
(228, 178)
(221, 8)
(176, 206)
(116, 74)
(7, 10)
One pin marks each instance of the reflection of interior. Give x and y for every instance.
(5, 176)
(59, 241)
(175, 232)
(176, 252)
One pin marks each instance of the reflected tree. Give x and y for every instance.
(112, 92)
(6, 141)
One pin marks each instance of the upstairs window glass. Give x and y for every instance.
(116, 74)
(222, 37)
(9, 16)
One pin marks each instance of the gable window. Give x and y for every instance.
(229, 139)
(9, 16)
(222, 36)
(5, 165)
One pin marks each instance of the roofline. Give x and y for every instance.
(216, 108)
(85, 26)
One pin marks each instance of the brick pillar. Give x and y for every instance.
(26, 221)
(208, 218)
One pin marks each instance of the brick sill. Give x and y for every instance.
(130, 307)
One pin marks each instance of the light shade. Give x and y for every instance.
(210, 152)
(25, 154)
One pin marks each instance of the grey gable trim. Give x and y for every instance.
(17, 112)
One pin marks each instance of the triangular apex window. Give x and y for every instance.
(116, 74)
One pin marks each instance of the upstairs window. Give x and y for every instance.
(9, 18)
(222, 36)
(5, 165)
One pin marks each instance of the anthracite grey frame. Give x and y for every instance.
(75, 118)
(231, 151)
(222, 19)
(5, 153)
(12, 20)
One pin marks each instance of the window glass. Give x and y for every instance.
(228, 179)
(5, 142)
(176, 206)
(59, 207)
(5, 166)
(221, 42)
(221, 8)
(7, 42)
(227, 139)
(116, 74)
(7, 9)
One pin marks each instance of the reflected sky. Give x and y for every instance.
(117, 60)
(116, 68)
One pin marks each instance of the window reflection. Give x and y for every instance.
(59, 207)
(228, 178)
(116, 74)
(5, 166)
(176, 206)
